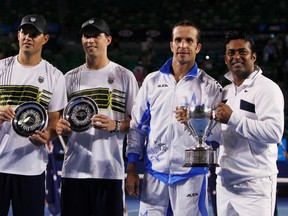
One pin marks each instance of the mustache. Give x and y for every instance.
(237, 62)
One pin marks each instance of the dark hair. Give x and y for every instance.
(188, 23)
(234, 35)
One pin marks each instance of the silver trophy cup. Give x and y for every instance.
(200, 124)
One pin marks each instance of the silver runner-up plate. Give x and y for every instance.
(29, 117)
(79, 112)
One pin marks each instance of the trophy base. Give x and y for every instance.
(213, 158)
(214, 165)
(200, 157)
(197, 165)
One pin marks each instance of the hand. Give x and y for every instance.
(6, 114)
(132, 180)
(286, 154)
(223, 113)
(63, 127)
(181, 115)
(100, 121)
(39, 138)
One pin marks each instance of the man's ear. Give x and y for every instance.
(198, 48)
(46, 38)
(254, 56)
(225, 59)
(109, 40)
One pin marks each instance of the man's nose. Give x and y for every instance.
(28, 35)
(183, 43)
(89, 39)
(237, 54)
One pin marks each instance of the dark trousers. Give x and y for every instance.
(26, 194)
(92, 197)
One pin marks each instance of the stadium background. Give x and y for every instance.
(141, 33)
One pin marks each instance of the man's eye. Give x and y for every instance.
(32, 34)
(92, 35)
(230, 53)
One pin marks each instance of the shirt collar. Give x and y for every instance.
(249, 79)
(166, 69)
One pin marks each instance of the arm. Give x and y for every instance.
(104, 122)
(136, 139)
(132, 180)
(134, 153)
(268, 127)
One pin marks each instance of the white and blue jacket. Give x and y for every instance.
(155, 133)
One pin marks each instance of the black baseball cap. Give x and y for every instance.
(38, 21)
(99, 24)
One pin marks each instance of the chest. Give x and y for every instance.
(242, 100)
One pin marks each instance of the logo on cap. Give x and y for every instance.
(33, 19)
(91, 21)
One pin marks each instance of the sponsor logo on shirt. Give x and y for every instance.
(192, 195)
(162, 85)
(110, 80)
(40, 79)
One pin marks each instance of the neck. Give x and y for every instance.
(29, 60)
(238, 82)
(180, 70)
(96, 63)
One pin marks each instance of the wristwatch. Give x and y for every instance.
(117, 127)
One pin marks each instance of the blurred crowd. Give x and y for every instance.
(140, 31)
